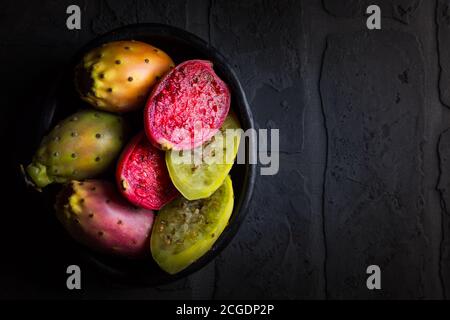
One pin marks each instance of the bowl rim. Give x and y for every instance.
(242, 207)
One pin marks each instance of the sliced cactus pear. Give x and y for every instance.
(185, 230)
(95, 214)
(81, 146)
(198, 173)
(142, 175)
(118, 76)
(187, 107)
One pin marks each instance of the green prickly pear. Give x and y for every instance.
(81, 146)
(94, 214)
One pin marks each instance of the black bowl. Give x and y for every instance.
(180, 45)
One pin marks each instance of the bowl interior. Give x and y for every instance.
(181, 46)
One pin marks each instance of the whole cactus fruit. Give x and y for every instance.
(96, 215)
(142, 175)
(187, 107)
(118, 76)
(81, 146)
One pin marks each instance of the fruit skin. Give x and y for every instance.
(81, 146)
(118, 76)
(201, 180)
(187, 107)
(142, 175)
(185, 230)
(95, 214)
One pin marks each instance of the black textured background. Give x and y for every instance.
(365, 150)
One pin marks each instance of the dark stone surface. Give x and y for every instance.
(443, 37)
(372, 93)
(444, 189)
(401, 10)
(282, 249)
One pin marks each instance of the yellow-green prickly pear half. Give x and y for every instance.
(81, 146)
(185, 230)
(199, 172)
(119, 75)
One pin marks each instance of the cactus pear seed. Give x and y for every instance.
(73, 155)
(56, 154)
(109, 90)
(118, 62)
(98, 135)
(130, 79)
(97, 159)
(100, 233)
(147, 61)
(74, 134)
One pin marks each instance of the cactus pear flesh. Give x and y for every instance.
(81, 146)
(95, 214)
(185, 230)
(216, 157)
(142, 175)
(187, 107)
(118, 76)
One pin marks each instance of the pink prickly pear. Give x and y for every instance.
(96, 215)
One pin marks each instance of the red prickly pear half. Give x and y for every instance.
(142, 175)
(118, 76)
(81, 146)
(187, 107)
(95, 214)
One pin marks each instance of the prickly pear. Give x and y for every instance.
(81, 146)
(200, 179)
(187, 107)
(118, 76)
(95, 214)
(185, 230)
(142, 175)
